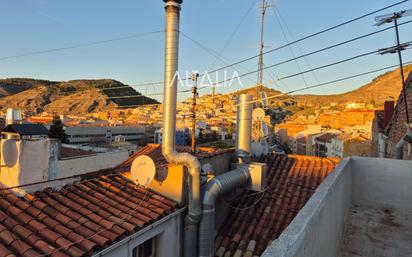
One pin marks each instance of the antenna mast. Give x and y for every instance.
(262, 43)
(259, 85)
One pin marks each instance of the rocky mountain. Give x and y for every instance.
(387, 85)
(67, 97)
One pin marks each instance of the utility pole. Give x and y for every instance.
(397, 49)
(195, 76)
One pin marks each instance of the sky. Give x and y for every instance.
(229, 27)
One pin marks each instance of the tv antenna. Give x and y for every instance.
(264, 7)
(389, 18)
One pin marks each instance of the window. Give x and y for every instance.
(146, 249)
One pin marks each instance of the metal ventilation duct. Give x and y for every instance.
(244, 128)
(169, 128)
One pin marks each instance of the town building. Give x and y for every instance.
(183, 136)
(323, 144)
(92, 134)
(350, 144)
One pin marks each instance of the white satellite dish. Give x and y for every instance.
(258, 114)
(143, 170)
(256, 149)
(10, 152)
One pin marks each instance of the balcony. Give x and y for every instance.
(363, 208)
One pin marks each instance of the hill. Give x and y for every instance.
(387, 85)
(67, 97)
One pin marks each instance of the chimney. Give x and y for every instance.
(389, 108)
(13, 116)
(244, 128)
(172, 8)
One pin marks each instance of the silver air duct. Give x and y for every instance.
(169, 127)
(216, 187)
(244, 128)
(228, 181)
(406, 139)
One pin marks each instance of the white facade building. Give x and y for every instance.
(106, 134)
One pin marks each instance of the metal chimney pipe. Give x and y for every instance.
(172, 8)
(244, 128)
(215, 188)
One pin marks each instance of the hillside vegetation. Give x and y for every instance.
(387, 85)
(71, 97)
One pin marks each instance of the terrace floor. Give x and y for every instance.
(373, 232)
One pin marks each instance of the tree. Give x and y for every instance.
(57, 130)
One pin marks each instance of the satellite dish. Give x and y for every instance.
(256, 149)
(258, 114)
(143, 170)
(9, 152)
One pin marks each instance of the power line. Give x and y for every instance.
(232, 35)
(295, 41)
(298, 57)
(316, 34)
(211, 52)
(80, 45)
(281, 78)
(310, 70)
(332, 81)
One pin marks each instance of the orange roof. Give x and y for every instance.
(259, 218)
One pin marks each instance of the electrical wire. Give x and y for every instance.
(303, 55)
(325, 83)
(295, 41)
(232, 35)
(80, 45)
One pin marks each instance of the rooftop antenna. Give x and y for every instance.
(389, 18)
(264, 7)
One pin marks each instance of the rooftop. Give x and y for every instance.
(363, 208)
(78, 219)
(326, 138)
(26, 129)
(66, 152)
(155, 152)
(258, 219)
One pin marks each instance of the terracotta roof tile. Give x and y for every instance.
(78, 219)
(257, 219)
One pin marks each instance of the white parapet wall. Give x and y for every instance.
(381, 183)
(35, 163)
(87, 164)
(319, 227)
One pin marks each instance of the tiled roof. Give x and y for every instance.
(66, 152)
(27, 129)
(326, 138)
(78, 219)
(155, 152)
(259, 218)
